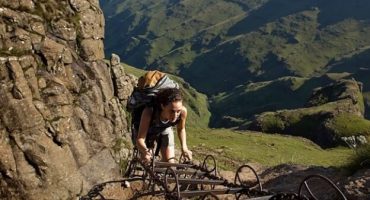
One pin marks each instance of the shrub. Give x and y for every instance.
(361, 159)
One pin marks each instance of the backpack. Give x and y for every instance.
(145, 94)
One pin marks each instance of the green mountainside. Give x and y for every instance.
(333, 115)
(249, 56)
(233, 148)
(236, 107)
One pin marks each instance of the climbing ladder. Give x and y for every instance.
(186, 180)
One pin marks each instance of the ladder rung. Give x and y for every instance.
(196, 181)
(167, 164)
(214, 191)
(186, 172)
(262, 198)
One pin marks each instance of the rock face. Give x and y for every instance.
(334, 115)
(60, 109)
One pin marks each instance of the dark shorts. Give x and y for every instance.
(164, 138)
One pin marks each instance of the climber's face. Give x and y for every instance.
(172, 111)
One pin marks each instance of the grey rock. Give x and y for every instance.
(91, 100)
(104, 166)
(4, 73)
(91, 24)
(23, 4)
(92, 50)
(115, 60)
(361, 140)
(27, 4)
(63, 29)
(80, 5)
(18, 40)
(17, 94)
(56, 55)
(11, 4)
(7, 163)
(60, 113)
(354, 141)
(20, 83)
(124, 84)
(30, 75)
(38, 27)
(105, 83)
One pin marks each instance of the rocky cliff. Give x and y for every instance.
(62, 126)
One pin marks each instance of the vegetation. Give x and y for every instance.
(336, 109)
(351, 125)
(304, 122)
(249, 58)
(283, 93)
(224, 48)
(232, 148)
(360, 160)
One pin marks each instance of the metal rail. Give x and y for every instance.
(186, 180)
(180, 172)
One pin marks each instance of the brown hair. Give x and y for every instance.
(168, 95)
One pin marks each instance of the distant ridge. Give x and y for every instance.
(242, 42)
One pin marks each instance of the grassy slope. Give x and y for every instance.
(238, 40)
(266, 149)
(218, 45)
(310, 122)
(283, 93)
(292, 45)
(347, 125)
